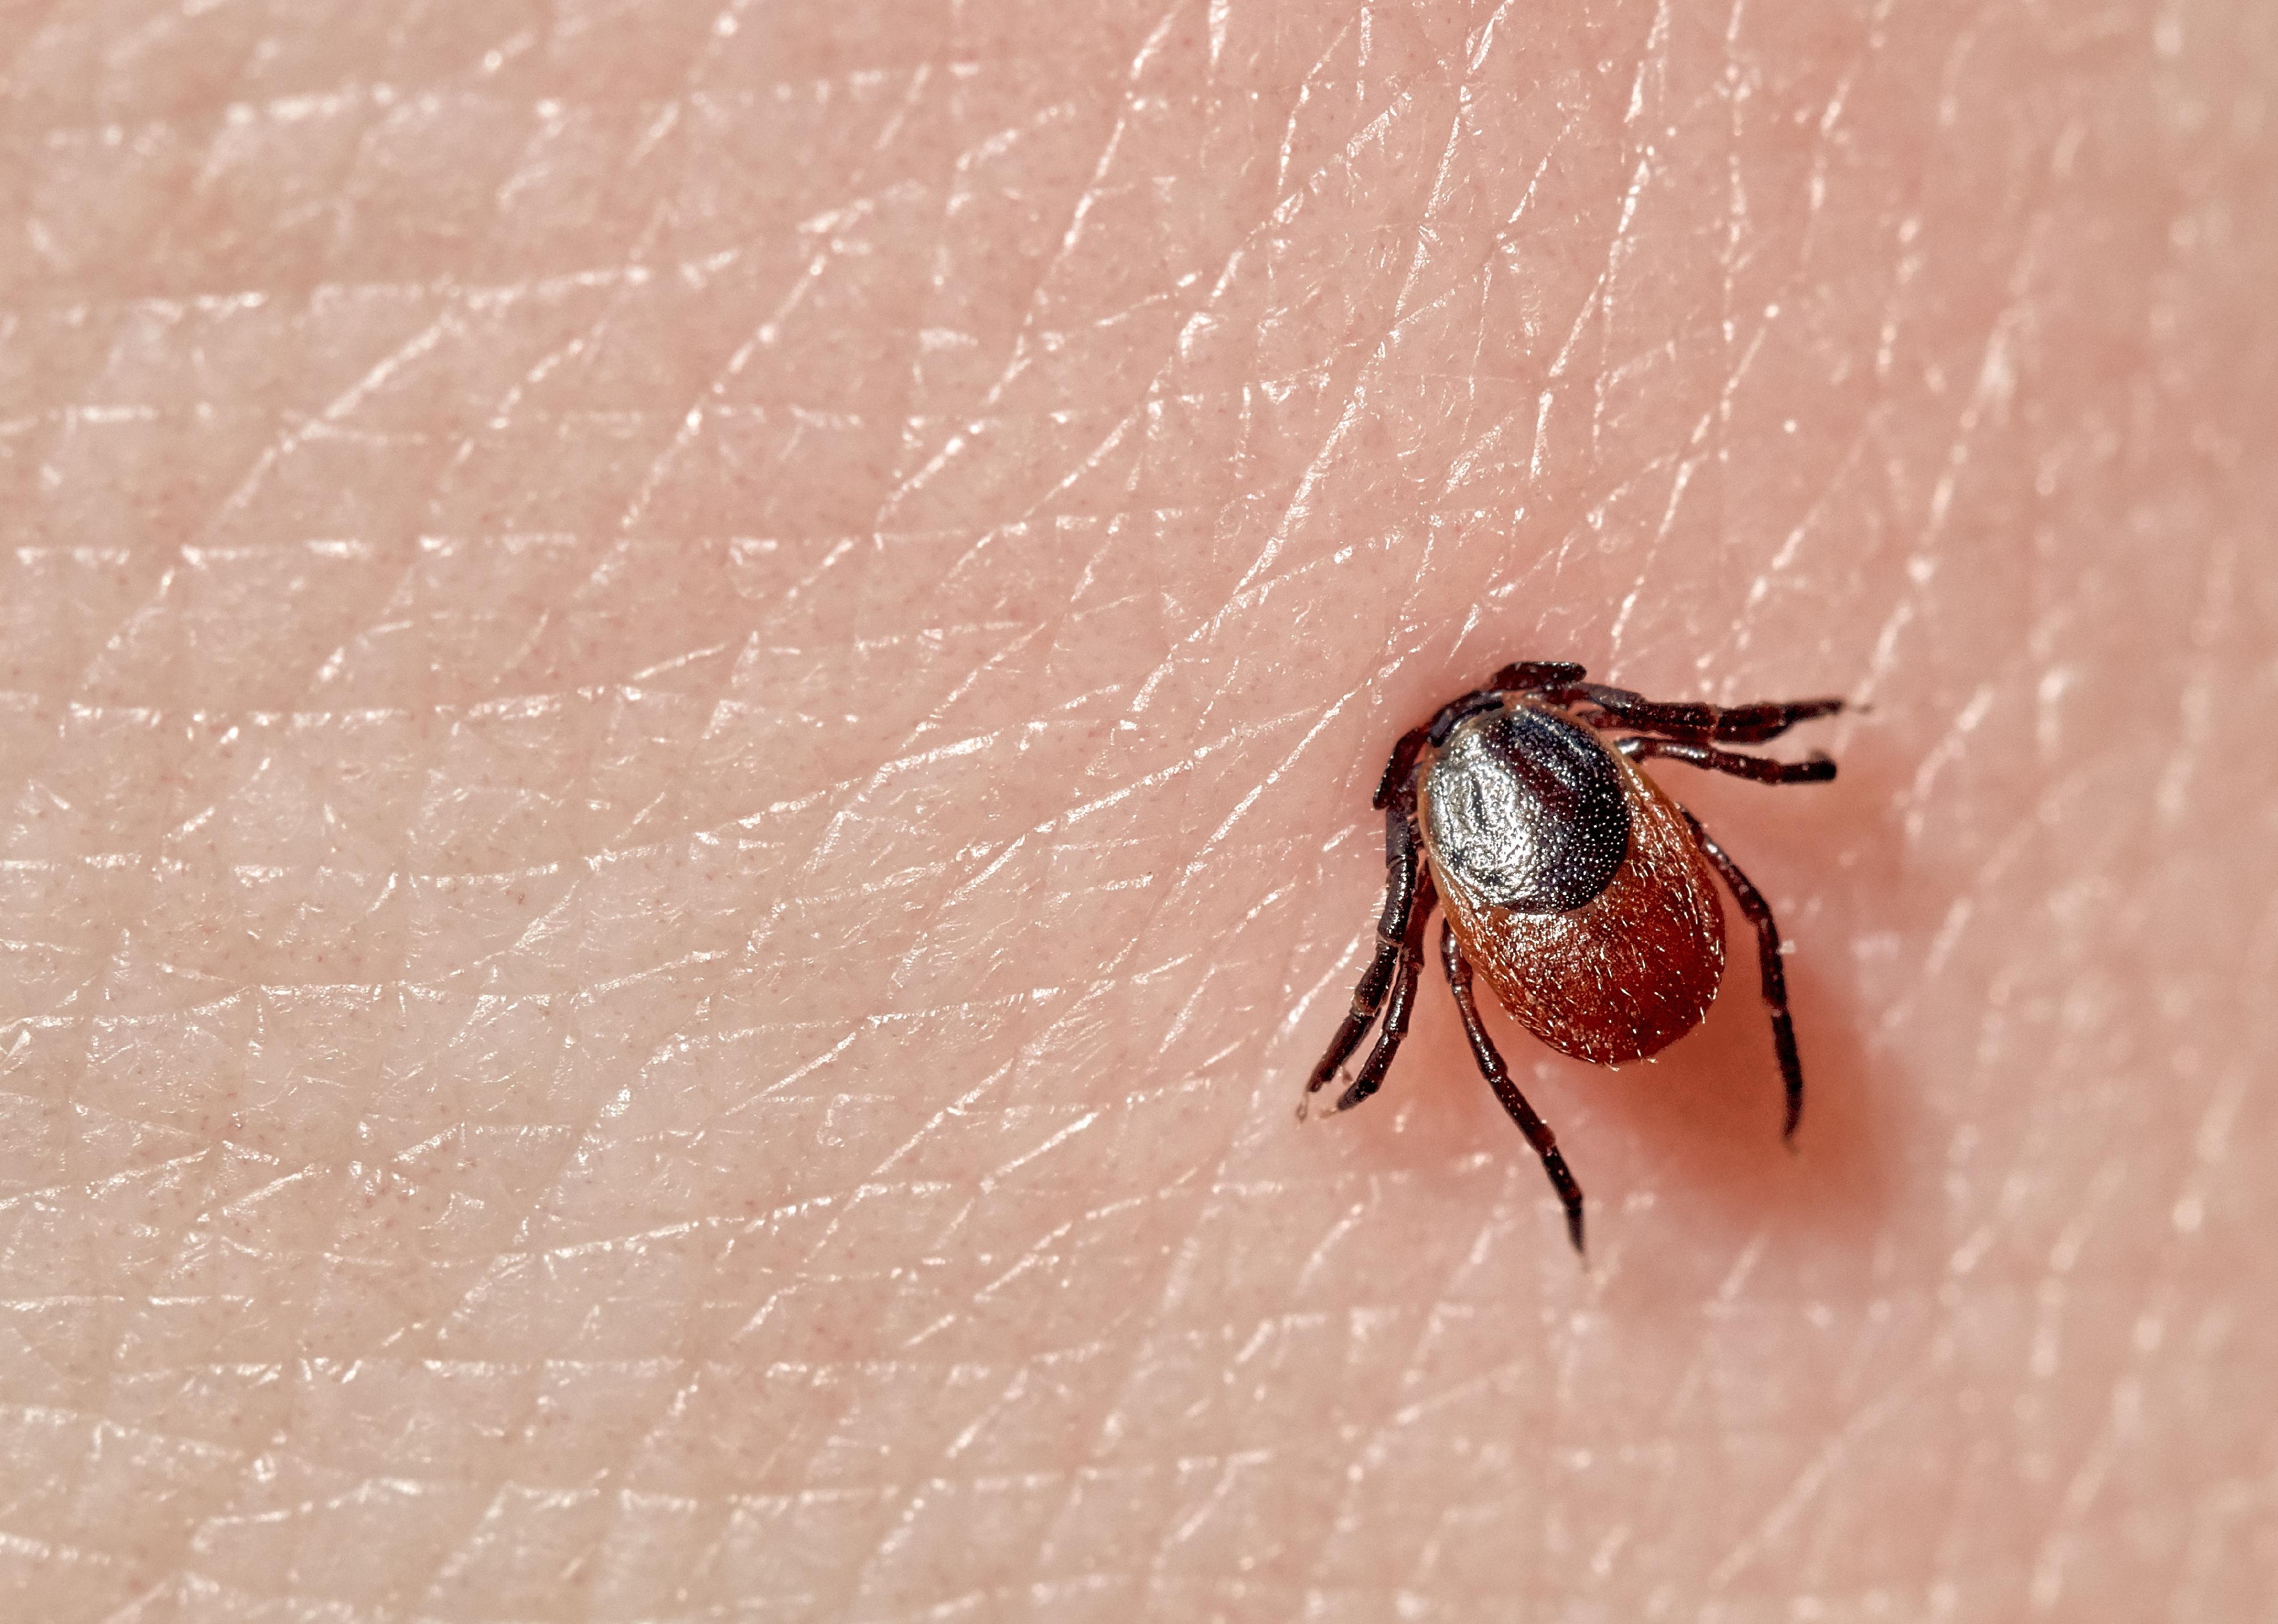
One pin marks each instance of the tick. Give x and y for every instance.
(1578, 888)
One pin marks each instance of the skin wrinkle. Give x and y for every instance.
(1078, 211)
(1290, 200)
(1186, 1260)
(2070, 970)
(1353, 1513)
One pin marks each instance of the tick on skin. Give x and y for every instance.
(1571, 881)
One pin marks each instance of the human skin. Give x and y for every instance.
(687, 701)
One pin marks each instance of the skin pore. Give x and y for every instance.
(687, 702)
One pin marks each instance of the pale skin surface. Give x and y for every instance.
(688, 698)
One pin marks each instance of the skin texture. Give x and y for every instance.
(687, 698)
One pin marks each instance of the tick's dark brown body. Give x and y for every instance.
(1625, 974)
(1580, 890)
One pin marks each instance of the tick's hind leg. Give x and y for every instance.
(1768, 952)
(1491, 1067)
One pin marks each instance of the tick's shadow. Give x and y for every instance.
(1708, 1114)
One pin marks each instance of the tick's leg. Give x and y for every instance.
(1401, 1005)
(1768, 952)
(1813, 769)
(1392, 931)
(1735, 724)
(1533, 676)
(1491, 1067)
(1399, 766)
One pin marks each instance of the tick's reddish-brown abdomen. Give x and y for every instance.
(1626, 973)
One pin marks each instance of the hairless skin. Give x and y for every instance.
(687, 700)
